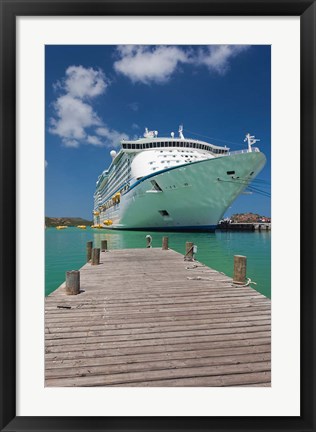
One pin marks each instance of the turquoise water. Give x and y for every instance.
(66, 250)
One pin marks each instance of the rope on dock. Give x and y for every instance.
(249, 281)
(194, 266)
(199, 278)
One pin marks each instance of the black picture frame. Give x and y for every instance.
(10, 9)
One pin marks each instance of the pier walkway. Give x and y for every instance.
(146, 317)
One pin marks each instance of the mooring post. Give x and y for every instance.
(240, 269)
(104, 245)
(72, 282)
(165, 243)
(89, 250)
(188, 251)
(148, 241)
(95, 256)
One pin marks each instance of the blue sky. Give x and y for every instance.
(97, 95)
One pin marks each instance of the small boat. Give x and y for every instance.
(59, 227)
(81, 226)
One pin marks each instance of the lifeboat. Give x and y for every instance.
(116, 198)
(108, 222)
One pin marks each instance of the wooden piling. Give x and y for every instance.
(89, 250)
(95, 256)
(165, 243)
(104, 245)
(188, 251)
(240, 268)
(72, 282)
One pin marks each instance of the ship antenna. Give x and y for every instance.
(181, 132)
(251, 141)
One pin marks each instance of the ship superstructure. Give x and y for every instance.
(172, 183)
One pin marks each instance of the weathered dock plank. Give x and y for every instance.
(145, 317)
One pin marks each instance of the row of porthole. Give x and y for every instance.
(187, 160)
(181, 156)
(178, 151)
(169, 161)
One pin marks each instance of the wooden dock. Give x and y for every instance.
(146, 317)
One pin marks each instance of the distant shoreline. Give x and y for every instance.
(66, 221)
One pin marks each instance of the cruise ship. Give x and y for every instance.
(172, 183)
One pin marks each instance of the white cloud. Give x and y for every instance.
(112, 137)
(70, 143)
(94, 140)
(75, 119)
(81, 82)
(147, 64)
(46, 163)
(135, 126)
(217, 57)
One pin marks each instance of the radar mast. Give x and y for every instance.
(251, 141)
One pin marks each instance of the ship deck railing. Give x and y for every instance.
(254, 149)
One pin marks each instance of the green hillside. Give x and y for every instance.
(66, 221)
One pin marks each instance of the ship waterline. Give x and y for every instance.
(191, 192)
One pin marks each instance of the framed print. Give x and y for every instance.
(75, 78)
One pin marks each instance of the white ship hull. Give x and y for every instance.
(193, 197)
